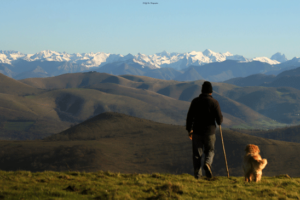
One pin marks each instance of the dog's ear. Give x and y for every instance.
(256, 149)
(252, 148)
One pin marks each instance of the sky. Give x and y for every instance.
(249, 28)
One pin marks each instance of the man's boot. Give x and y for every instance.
(198, 173)
(208, 171)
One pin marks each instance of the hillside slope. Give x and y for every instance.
(14, 87)
(121, 143)
(281, 104)
(289, 134)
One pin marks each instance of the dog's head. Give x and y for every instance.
(253, 149)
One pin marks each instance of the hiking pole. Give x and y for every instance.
(224, 151)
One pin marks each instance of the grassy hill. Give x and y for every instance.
(108, 185)
(121, 143)
(77, 80)
(14, 87)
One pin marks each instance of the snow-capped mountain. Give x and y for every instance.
(194, 65)
(164, 59)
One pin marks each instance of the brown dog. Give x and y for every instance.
(253, 164)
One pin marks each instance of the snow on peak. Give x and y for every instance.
(48, 55)
(266, 60)
(4, 59)
(162, 59)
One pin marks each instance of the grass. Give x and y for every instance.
(260, 124)
(108, 185)
(30, 96)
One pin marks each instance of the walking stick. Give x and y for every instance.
(224, 151)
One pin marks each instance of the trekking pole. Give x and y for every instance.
(224, 151)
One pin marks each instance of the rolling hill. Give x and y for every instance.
(38, 103)
(281, 104)
(252, 80)
(287, 78)
(150, 90)
(289, 134)
(121, 143)
(14, 87)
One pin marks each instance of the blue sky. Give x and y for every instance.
(249, 28)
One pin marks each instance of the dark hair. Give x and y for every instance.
(207, 87)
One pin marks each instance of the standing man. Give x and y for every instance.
(201, 121)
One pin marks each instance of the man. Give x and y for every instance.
(201, 121)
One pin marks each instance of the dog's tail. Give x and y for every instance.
(258, 163)
(263, 163)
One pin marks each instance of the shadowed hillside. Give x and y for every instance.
(285, 81)
(76, 105)
(121, 143)
(23, 118)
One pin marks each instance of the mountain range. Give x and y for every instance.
(163, 59)
(190, 66)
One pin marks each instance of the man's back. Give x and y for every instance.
(202, 115)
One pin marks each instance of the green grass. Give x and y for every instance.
(107, 185)
(269, 124)
(30, 96)
(242, 126)
(18, 126)
(260, 124)
(279, 93)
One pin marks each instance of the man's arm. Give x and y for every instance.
(190, 117)
(219, 116)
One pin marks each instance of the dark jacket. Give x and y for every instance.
(203, 114)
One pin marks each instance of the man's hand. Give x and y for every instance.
(191, 135)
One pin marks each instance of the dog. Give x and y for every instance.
(253, 164)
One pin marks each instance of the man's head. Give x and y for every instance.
(207, 87)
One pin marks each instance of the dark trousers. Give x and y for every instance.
(206, 145)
